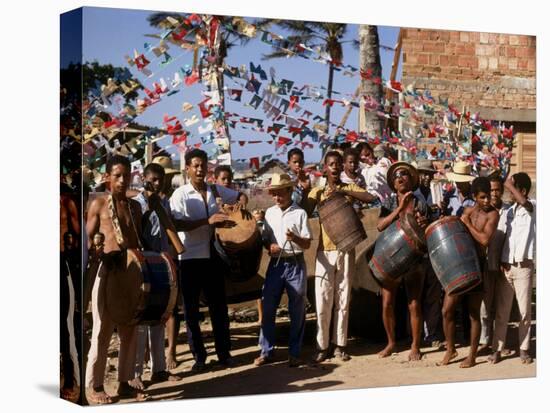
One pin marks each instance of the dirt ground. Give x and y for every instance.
(364, 370)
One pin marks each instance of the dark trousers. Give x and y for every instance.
(207, 276)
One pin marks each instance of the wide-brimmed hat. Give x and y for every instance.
(402, 165)
(424, 165)
(461, 172)
(279, 181)
(166, 163)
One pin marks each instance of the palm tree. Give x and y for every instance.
(369, 62)
(330, 35)
(228, 39)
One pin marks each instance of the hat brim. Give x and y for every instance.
(451, 176)
(171, 171)
(275, 187)
(402, 165)
(429, 170)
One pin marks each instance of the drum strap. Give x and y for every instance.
(119, 236)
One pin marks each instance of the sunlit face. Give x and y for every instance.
(296, 163)
(154, 181)
(196, 170)
(496, 192)
(402, 180)
(351, 164)
(118, 179)
(483, 199)
(282, 197)
(224, 179)
(333, 168)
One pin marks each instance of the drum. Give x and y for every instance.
(398, 248)
(453, 254)
(239, 245)
(142, 289)
(341, 222)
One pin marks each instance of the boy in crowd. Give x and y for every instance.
(224, 177)
(481, 221)
(286, 236)
(333, 268)
(518, 224)
(302, 183)
(351, 173)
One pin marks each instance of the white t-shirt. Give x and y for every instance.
(519, 227)
(186, 203)
(278, 221)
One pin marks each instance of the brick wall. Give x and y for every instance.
(490, 71)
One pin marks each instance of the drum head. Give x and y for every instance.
(124, 292)
(243, 231)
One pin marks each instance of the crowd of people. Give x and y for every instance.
(119, 220)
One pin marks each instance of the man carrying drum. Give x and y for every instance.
(195, 208)
(481, 221)
(155, 239)
(402, 178)
(119, 219)
(333, 268)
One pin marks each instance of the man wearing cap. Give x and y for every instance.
(286, 235)
(403, 180)
(432, 292)
(196, 212)
(461, 175)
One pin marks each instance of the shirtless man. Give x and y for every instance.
(119, 219)
(481, 220)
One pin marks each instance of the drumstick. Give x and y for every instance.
(169, 227)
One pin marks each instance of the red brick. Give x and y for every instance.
(423, 35)
(464, 36)
(531, 52)
(519, 51)
(514, 40)
(454, 36)
(503, 39)
(513, 63)
(434, 59)
(501, 51)
(493, 38)
(531, 64)
(444, 60)
(511, 51)
(523, 40)
(423, 58)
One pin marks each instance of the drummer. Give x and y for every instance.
(333, 268)
(154, 239)
(196, 212)
(119, 219)
(403, 179)
(287, 235)
(481, 220)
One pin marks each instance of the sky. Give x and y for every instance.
(110, 34)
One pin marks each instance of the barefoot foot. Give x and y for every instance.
(97, 396)
(468, 362)
(137, 383)
(388, 350)
(415, 354)
(171, 362)
(449, 355)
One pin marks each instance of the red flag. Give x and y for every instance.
(255, 162)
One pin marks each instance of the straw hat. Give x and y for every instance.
(424, 165)
(166, 163)
(279, 181)
(461, 172)
(402, 165)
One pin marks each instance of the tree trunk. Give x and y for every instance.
(329, 94)
(369, 60)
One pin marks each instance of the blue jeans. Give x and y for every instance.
(292, 277)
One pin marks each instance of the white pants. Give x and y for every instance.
(102, 330)
(156, 346)
(70, 324)
(516, 281)
(333, 275)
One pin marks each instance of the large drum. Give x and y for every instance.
(453, 255)
(240, 245)
(142, 289)
(341, 222)
(398, 248)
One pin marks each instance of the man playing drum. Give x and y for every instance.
(119, 219)
(481, 220)
(333, 268)
(403, 180)
(196, 211)
(155, 239)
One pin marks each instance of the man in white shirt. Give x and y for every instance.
(518, 253)
(286, 236)
(195, 208)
